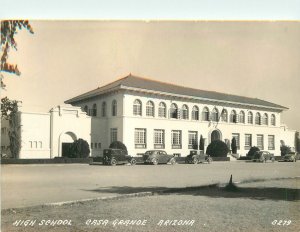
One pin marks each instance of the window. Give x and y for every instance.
(140, 138)
(113, 135)
(215, 115)
(162, 110)
(260, 142)
(35, 144)
(224, 115)
(103, 109)
(265, 119)
(94, 113)
(233, 116)
(114, 108)
(159, 138)
(86, 109)
(271, 142)
(250, 117)
(150, 109)
(96, 146)
(31, 144)
(195, 113)
(99, 145)
(237, 139)
(185, 112)
(193, 140)
(205, 114)
(257, 119)
(92, 146)
(248, 141)
(40, 144)
(273, 120)
(176, 139)
(137, 107)
(173, 111)
(242, 117)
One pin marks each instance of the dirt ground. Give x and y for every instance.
(256, 206)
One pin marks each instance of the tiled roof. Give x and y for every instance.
(135, 82)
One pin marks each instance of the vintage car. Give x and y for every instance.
(117, 156)
(290, 157)
(263, 156)
(196, 157)
(158, 157)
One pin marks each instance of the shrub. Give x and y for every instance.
(217, 148)
(233, 146)
(284, 150)
(79, 149)
(252, 151)
(297, 138)
(201, 143)
(118, 145)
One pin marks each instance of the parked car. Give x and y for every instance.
(158, 157)
(290, 157)
(263, 156)
(117, 156)
(196, 157)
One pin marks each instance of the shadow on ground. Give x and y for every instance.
(214, 191)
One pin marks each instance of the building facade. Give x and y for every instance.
(145, 114)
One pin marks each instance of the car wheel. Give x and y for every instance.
(113, 162)
(132, 161)
(172, 161)
(154, 161)
(209, 160)
(195, 161)
(273, 159)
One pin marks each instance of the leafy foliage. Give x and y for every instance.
(118, 145)
(297, 141)
(201, 143)
(217, 148)
(233, 146)
(252, 151)
(284, 149)
(9, 29)
(79, 149)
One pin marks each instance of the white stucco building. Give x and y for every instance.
(146, 114)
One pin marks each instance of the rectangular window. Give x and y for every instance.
(99, 145)
(193, 140)
(92, 146)
(113, 135)
(140, 138)
(237, 138)
(271, 142)
(96, 146)
(159, 139)
(41, 144)
(248, 141)
(176, 139)
(260, 142)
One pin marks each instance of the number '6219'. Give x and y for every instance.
(281, 222)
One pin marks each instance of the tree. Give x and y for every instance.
(297, 142)
(118, 145)
(217, 148)
(233, 146)
(201, 143)
(9, 29)
(252, 151)
(284, 149)
(79, 149)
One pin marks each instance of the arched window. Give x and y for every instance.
(224, 116)
(195, 113)
(265, 119)
(137, 107)
(185, 112)
(95, 110)
(215, 115)
(86, 109)
(162, 110)
(103, 109)
(250, 117)
(205, 114)
(173, 111)
(273, 120)
(233, 116)
(257, 119)
(114, 108)
(242, 117)
(150, 109)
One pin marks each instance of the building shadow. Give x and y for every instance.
(213, 191)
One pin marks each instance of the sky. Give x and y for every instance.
(181, 42)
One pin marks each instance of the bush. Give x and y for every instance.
(118, 145)
(284, 150)
(252, 151)
(217, 148)
(79, 149)
(201, 143)
(233, 146)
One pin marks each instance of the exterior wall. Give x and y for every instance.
(288, 136)
(4, 138)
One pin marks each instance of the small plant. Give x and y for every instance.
(79, 149)
(118, 145)
(284, 150)
(217, 148)
(252, 151)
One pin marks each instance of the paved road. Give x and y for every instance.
(28, 185)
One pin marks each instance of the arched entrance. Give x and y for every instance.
(65, 141)
(215, 135)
